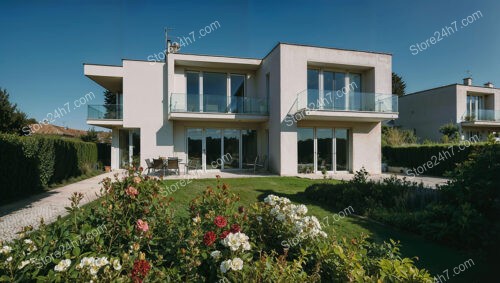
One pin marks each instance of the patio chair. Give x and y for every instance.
(259, 164)
(158, 164)
(173, 164)
(150, 165)
(194, 163)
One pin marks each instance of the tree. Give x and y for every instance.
(110, 105)
(109, 97)
(450, 132)
(12, 120)
(91, 136)
(398, 85)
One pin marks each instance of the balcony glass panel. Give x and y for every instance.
(354, 101)
(481, 115)
(105, 112)
(179, 102)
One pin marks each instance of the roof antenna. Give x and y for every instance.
(171, 47)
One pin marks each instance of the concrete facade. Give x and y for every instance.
(426, 111)
(155, 103)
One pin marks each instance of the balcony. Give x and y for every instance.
(481, 117)
(217, 107)
(105, 115)
(315, 104)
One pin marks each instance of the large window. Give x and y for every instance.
(209, 92)
(214, 92)
(214, 146)
(193, 91)
(237, 93)
(321, 149)
(475, 105)
(249, 147)
(305, 150)
(335, 92)
(221, 148)
(312, 88)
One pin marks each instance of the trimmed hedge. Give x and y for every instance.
(29, 163)
(434, 159)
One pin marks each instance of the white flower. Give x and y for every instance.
(225, 266)
(246, 246)
(94, 270)
(235, 240)
(197, 219)
(99, 262)
(280, 217)
(116, 264)
(259, 218)
(28, 241)
(215, 255)
(62, 265)
(23, 264)
(236, 264)
(9, 259)
(5, 250)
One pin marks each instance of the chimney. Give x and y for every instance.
(489, 84)
(468, 81)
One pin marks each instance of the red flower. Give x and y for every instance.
(235, 228)
(224, 234)
(220, 221)
(209, 238)
(140, 270)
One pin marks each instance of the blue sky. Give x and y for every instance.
(45, 43)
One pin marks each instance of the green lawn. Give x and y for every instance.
(432, 256)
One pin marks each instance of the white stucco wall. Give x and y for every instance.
(145, 107)
(376, 75)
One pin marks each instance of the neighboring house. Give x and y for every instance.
(475, 109)
(300, 108)
(49, 129)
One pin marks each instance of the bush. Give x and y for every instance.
(429, 159)
(135, 237)
(392, 136)
(463, 213)
(30, 163)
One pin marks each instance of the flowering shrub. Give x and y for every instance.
(143, 241)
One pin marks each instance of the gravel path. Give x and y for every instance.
(48, 205)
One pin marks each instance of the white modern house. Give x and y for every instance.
(300, 109)
(474, 109)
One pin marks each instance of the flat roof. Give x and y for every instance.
(251, 58)
(444, 86)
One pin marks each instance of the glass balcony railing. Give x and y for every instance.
(181, 102)
(481, 115)
(105, 112)
(314, 99)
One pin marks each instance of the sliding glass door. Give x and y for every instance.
(320, 149)
(305, 150)
(221, 148)
(213, 145)
(341, 150)
(324, 140)
(195, 147)
(231, 148)
(193, 91)
(214, 92)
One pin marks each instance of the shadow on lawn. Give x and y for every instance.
(427, 254)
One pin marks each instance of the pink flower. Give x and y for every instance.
(142, 225)
(131, 191)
